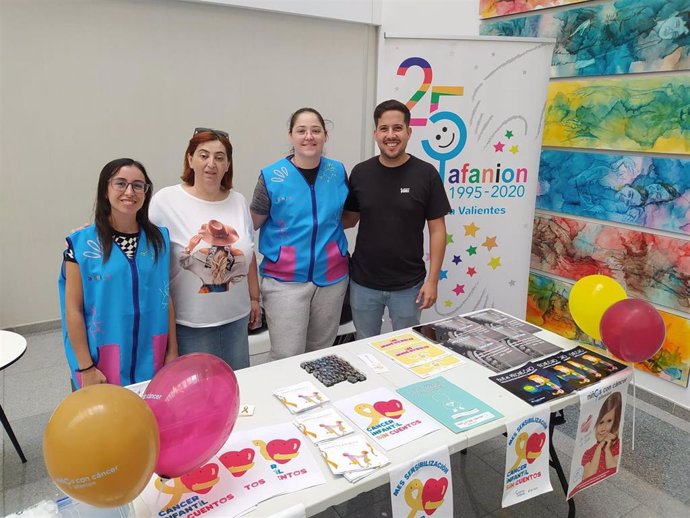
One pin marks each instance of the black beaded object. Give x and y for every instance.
(332, 369)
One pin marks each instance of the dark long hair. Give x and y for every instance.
(102, 209)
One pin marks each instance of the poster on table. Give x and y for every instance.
(423, 486)
(415, 353)
(477, 110)
(386, 417)
(598, 443)
(252, 466)
(527, 458)
(498, 348)
(422, 357)
(577, 368)
(530, 384)
(543, 380)
(453, 407)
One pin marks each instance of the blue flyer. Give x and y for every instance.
(457, 409)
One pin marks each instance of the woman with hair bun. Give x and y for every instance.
(298, 205)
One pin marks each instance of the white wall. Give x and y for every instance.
(44, 190)
(362, 11)
(86, 81)
(400, 17)
(430, 17)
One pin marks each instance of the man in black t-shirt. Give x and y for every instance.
(392, 196)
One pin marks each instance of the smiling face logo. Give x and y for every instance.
(449, 136)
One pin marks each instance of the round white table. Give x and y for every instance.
(12, 347)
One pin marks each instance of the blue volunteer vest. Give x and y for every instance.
(125, 307)
(303, 240)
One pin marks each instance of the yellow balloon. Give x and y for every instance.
(589, 299)
(101, 445)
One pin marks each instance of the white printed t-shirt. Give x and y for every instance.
(211, 249)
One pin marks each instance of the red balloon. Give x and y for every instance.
(195, 400)
(632, 330)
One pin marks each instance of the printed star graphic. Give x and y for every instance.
(472, 250)
(457, 260)
(448, 303)
(459, 288)
(509, 134)
(495, 262)
(512, 283)
(449, 239)
(498, 147)
(471, 229)
(490, 242)
(443, 275)
(471, 271)
(514, 149)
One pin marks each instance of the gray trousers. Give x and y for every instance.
(301, 316)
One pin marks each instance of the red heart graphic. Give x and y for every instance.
(202, 479)
(238, 462)
(534, 445)
(392, 408)
(432, 494)
(283, 451)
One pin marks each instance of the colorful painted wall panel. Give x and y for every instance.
(630, 113)
(547, 307)
(649, 266)
(647, 191)
(620, 37)
(490, 8)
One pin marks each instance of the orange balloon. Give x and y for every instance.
(101, 445)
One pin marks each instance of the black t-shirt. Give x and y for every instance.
(394, 205)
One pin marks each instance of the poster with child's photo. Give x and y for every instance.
(598, 443)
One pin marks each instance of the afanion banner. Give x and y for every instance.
(527, 458)
(477, 115)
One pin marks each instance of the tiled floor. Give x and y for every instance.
(654, 480)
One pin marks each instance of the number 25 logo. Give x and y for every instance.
(448, 143)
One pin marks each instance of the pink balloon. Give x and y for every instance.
(632, 330)
(195, 400)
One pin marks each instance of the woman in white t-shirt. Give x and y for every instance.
(214, 281)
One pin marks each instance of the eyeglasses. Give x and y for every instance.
(217, 133)
(120, 184)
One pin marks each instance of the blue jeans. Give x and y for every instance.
(368, 305)
(230, 342)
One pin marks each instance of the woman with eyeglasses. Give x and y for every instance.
(117, 321)
(298, 203)
(214, 282)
